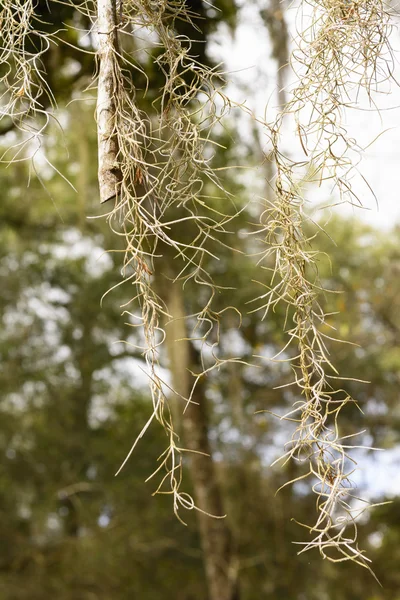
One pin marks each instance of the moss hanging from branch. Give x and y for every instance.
(345, 50)
(156, 165)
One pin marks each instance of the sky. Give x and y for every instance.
(252, 74)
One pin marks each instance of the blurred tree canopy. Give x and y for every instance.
(73, 400)
(73, 397)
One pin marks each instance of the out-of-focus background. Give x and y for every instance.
(73, 400)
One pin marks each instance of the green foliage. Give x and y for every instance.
(71, 405)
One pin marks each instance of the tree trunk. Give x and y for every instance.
(215, 534)
(274, 18)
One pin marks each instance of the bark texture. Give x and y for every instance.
(109, 172)
(216, 538)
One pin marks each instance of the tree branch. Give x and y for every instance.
(109, 172)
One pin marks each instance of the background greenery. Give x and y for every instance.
(73, 400)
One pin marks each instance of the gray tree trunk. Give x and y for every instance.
(274, 18)
(216, 538)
